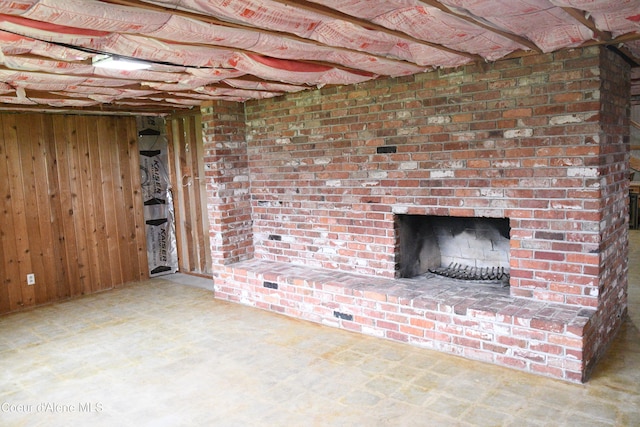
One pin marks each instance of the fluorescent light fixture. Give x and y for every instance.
(118, 63)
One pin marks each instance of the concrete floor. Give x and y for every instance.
(160, 353)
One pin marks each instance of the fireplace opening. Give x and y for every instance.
(459, 248)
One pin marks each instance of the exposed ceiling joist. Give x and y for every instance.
(212, 20)
(334, 14)
(580, 16)
(521, 40)
(252, 49)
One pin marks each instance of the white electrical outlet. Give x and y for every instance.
(31, 279)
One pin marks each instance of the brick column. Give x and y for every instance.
(613, 250)
(226, 169)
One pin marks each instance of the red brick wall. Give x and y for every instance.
(226, 169)
(613, 247)
(520, 138)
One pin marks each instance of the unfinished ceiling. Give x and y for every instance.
(237, 50)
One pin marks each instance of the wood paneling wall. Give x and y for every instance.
(70, 207)
(186, 164)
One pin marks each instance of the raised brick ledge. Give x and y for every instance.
(474, 321)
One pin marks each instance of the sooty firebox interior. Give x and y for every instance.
(466, 248)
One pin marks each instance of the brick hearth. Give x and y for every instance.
(474, 321)
(304, 191)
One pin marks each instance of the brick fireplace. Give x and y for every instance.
(305, 192)
(437, 244)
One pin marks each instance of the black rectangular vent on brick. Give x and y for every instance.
(270, 285)
(343, 316)
(275, 237)
(387, 149)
